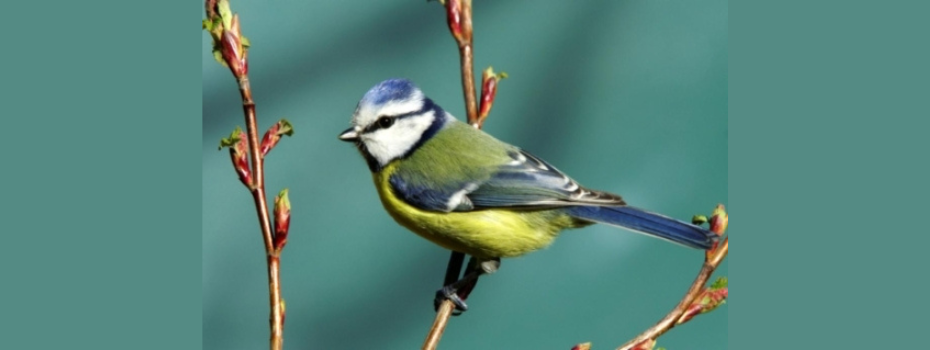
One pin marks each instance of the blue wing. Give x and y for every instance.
(524, 182)
(433, 198)
(528, 182)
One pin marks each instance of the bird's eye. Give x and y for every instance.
(385, 122)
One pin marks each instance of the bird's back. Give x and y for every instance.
(451, 154)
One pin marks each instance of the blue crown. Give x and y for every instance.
(389, 90)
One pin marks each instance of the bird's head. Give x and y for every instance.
(391, 120)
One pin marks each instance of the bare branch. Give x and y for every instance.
(712, 260)
(230, 48)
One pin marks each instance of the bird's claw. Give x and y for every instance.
(448, 293)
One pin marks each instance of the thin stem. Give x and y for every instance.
(439, 325)
(710, 265)
(468, 84)
(261, 206)
(277, 312)
(453, 270)
(466, 54)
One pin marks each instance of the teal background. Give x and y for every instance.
(828, 172)
(99, 243)
(628, 96)
(99, 181)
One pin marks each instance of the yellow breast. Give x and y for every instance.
(485, 233)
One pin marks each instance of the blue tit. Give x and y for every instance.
(469, 192)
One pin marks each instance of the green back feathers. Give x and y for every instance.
(451, 155)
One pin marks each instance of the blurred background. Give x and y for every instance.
(625, 96)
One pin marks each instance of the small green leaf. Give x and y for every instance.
(217, 28)
(245, 41)
(699, 220)
(286, 127)
(720, 283)
(282, 202)
(232, 140)
(222, 7)
(218, 55)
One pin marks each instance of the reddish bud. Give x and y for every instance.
(229, 46)
(239, 152)
(719, 220)
(718, 224)
(647, 344)
(234, 53)
(489, 81)
(582, 346)
(231, 52)
(454, 18)
(458, 16)
(690, 312)
(273, 135)
(716, 298)
(282, 220)
(709, 299)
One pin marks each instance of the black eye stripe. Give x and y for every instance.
(382, 122)
(376, 125)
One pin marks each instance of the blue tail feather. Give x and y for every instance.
(652, 224)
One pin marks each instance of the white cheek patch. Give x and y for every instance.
(388, 144)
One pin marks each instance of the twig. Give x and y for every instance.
(712, 260)
(230, 49)
(439, 325)
(261, 205)
(458, 13)
(458, 16)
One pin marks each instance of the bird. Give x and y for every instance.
(466, 191)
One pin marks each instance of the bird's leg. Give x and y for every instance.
(458, 291)
(486, 267)
(454, 268)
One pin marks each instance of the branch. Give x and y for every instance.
(458, 16)
(439, 325)
(458, 13)
(230, 48)
(691, 305)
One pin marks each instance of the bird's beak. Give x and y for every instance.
(350, 135)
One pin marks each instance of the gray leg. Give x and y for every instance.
(458, 291)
